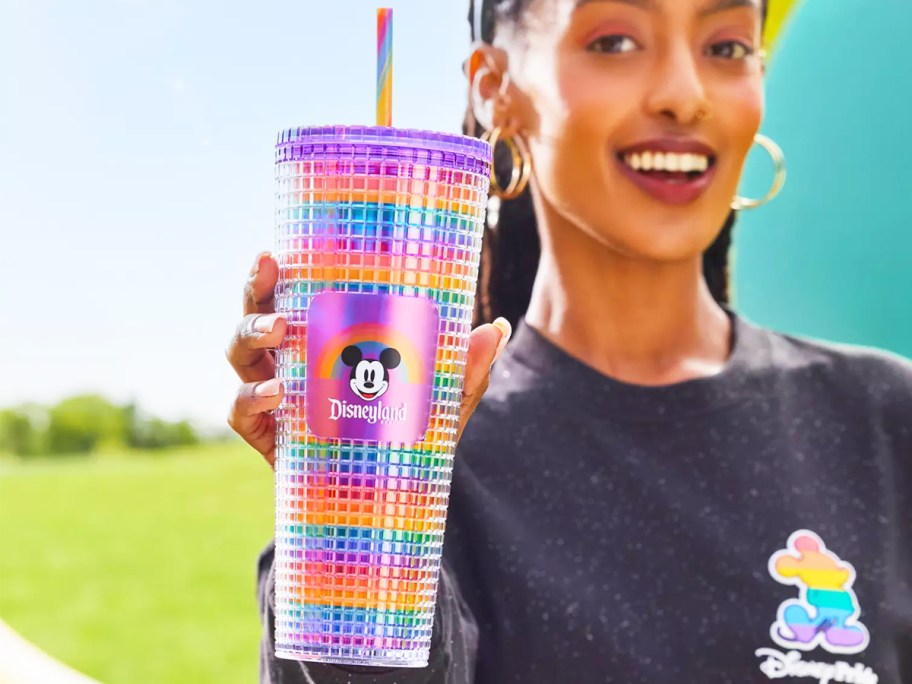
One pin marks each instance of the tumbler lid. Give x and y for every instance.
(387, 137)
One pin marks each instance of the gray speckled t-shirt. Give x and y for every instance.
(749, 526)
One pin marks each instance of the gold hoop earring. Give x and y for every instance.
(522, 164)
(742, 203)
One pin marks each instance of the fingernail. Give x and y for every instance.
(259, 260)
(266, 322)
(506, 331)
(269, 388)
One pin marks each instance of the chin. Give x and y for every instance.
(663, 239)
(609, 209)
(655, 231)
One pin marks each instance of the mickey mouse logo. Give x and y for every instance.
(827, 611)
(370, 377)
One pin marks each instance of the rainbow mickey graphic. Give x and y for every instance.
(826, 612)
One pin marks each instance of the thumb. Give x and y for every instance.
(486, 343)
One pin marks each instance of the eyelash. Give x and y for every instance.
(600, 42)
(612, 40)
(748, 50)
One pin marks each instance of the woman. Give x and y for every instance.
(652, 489)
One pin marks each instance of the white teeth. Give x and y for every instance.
(667, 161)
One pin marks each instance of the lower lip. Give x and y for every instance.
(670, 192)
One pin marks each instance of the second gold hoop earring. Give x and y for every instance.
(742, 203)
(522, 164)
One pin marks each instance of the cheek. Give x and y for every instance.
(581, 104)
(578, 111)
(739, 113)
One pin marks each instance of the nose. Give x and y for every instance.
(678, 93)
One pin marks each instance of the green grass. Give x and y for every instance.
(138, 569)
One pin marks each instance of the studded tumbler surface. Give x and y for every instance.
(378, 237)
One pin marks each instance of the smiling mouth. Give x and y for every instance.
(368, 395)
(670, 171)
(669, 167)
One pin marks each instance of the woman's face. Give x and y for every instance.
(639, 115)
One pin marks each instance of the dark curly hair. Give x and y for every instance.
(511, 251)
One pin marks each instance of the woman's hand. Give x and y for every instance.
(262, 329)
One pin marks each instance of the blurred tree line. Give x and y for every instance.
(85, 424)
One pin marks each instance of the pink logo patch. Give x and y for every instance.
(370, 366)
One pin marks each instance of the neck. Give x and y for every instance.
(642, 322)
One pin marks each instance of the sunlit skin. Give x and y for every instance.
(619, 285)
(620, 282)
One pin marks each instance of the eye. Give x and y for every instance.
(730, 49)
(614, 44)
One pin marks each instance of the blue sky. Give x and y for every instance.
(136, 173)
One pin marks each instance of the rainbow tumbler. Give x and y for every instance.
(378, 240)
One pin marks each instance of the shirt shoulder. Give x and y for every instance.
(873, 379)
(515, 400)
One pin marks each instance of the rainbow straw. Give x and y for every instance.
(384, 66)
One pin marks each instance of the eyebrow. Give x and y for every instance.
(650, 5)
(643, 4)
(722, 5)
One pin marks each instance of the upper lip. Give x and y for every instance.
(676, 145)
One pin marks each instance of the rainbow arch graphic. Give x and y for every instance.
(371, 338)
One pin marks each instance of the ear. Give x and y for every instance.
(390, 358)
(491, 92)
(351, 356)
(788, 566)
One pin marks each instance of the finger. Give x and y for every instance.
(251, 416)
(248, 351)
(485, 344)
(259, 292)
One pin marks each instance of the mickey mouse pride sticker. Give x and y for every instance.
(370, 366)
